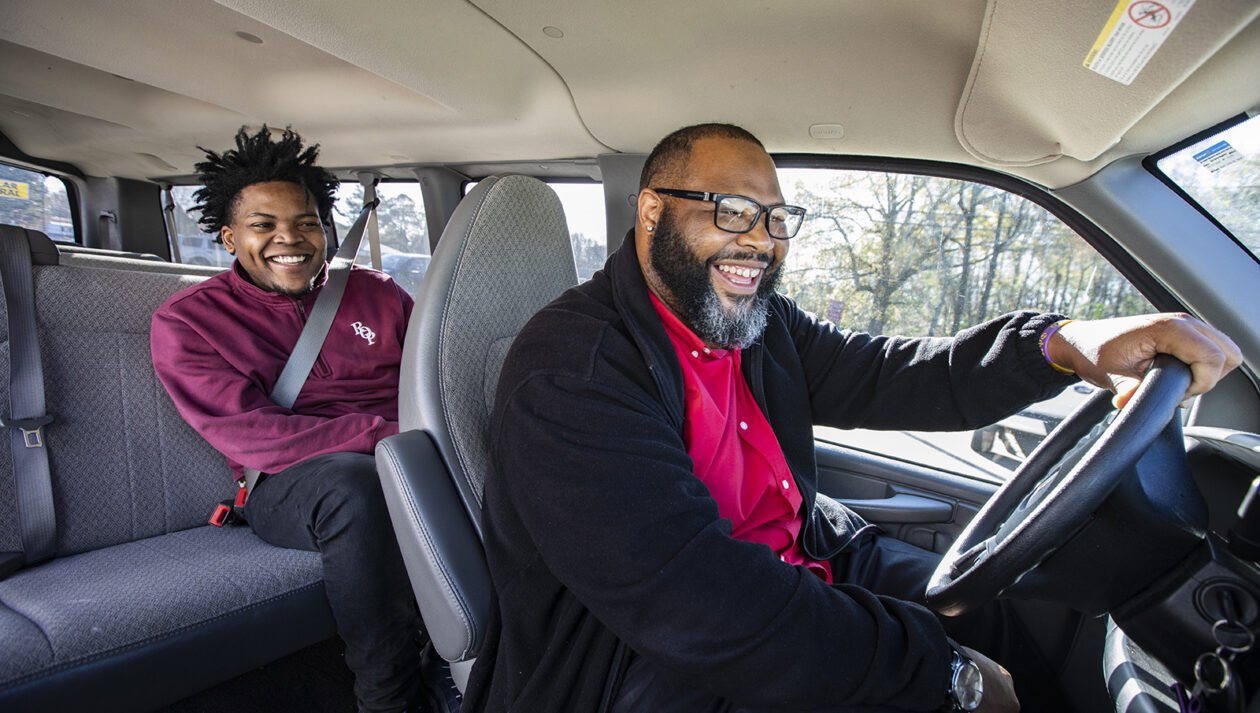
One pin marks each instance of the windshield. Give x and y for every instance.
(1222, 174)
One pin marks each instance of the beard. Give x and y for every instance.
(689, 279)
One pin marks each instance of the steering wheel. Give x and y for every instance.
(1053, 493)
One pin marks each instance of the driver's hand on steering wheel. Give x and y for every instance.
(999, 691)
(1114, 353)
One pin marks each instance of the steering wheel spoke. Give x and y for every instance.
(973, 556)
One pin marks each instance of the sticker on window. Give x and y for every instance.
(1218, 156)
(1135, 31)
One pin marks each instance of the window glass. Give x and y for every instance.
(34, 200)
(1222, 174)
(401, 224)
(584, 212)
(891, 253)
(583, 204)
(400, 220)
(195, 247)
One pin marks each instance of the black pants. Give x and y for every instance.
(883, 565)
(333, 504)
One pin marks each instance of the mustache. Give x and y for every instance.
(766, 259)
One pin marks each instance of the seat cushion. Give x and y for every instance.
(81, 615)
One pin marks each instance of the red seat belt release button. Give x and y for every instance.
(241, 494)
(220, 515)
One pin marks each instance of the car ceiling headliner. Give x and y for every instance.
(132, 87)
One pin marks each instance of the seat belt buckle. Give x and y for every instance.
(230, 512)
(32, 429)
(222, 515)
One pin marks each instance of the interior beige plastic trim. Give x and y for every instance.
(1030, 100)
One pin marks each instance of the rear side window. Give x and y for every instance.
(401, 225)
(584, 212)
(400, 218)
(34, 200)
(195, 247)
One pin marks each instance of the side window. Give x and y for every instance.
(400, 220)
(195, 247)
(34, 200)
(890, 253)
(401, 224)
(584, 212)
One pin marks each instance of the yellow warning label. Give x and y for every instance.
(14, 189)
(1135, 30)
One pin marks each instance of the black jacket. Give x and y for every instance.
(598, 535)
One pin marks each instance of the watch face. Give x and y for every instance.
(968, 686)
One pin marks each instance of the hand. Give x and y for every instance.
(999, 690)
(1114, 353)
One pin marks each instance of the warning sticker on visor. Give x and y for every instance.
(1136, 29)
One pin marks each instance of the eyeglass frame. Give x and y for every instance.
(716, 199)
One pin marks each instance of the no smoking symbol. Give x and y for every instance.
(1149, 14)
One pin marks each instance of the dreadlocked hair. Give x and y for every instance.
(258, 159)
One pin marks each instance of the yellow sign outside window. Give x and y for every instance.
(14, 189)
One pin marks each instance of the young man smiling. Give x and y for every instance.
(220, 346)
(652, 522)
(285, 261)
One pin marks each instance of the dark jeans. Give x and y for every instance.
(883, 565)
(333, 504)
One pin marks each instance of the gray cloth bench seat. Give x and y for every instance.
(144, 602)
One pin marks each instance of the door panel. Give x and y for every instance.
(922, 506)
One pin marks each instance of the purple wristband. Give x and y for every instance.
(1044, 343)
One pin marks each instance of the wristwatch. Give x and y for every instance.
(966, 685)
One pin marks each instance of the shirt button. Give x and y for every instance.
(707, 351)
(695, 354)
(743, 425)
(785, 484)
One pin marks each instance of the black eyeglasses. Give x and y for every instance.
(738, 214)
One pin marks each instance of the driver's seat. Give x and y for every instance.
(504, 255)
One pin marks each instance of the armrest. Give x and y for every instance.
(444, 557)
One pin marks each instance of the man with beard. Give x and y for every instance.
(652, 522)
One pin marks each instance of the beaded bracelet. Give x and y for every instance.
(1044, 343)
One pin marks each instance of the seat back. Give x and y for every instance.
(124, 464)
(504, 255)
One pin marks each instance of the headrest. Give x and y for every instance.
(43, 249)
(504, 255)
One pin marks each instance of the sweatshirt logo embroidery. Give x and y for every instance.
(364, 332)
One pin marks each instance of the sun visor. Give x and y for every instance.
(1069, 78)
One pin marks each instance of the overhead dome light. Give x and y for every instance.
(826, 131)
(553, 32)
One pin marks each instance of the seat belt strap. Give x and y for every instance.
(168, 214)
(368, 180)
(27, 417)
(311, 341)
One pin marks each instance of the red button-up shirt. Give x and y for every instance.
(734, 451)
